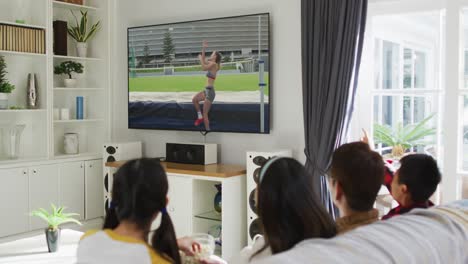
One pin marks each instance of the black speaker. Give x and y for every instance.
(201, 154)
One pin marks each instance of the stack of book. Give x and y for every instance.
(22, 39)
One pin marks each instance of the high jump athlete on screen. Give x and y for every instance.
(212, 66)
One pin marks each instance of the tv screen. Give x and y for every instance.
(205, 75)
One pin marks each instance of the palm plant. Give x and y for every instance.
(5, 86)
(402, 137)
(56, 217)
(80, 31)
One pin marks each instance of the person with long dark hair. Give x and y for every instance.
(289, 211)
(211, 66)
(139, 195)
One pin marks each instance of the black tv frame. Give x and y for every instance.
(270, 93)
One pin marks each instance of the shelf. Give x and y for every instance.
(81, 155)
(4, 162)
(59, 4)
(76, 121)
(76, 58)
(23, 111)
(212, 215)
(22, 53)
(77, 89)
(21, 25)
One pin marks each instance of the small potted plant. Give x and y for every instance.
(81, 34)
(69, 67)
(402, 137)
(5, 87)
(54, 220)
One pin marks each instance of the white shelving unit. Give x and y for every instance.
(43, 136)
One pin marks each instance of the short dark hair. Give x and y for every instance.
(360, 172)
(420, 174)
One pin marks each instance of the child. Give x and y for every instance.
(413, 183)
(355, 177)
(139, 194)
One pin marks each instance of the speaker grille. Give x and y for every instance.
(253, 201)
(111, 150)
(254, 228)
(110, 159)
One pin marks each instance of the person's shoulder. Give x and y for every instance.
(89, 233)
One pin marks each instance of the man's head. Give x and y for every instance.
(416, 179)
(356, 174)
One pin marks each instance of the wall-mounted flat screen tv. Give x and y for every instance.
(206, 75)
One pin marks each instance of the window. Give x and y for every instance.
(402, 95)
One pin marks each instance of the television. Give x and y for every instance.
(207, 75)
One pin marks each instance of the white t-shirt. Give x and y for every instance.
(247, 252)
(108, 247)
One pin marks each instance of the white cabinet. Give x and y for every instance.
(180, 204)
(72, 187)
(43, 190)
(14, 201)
(94, 188)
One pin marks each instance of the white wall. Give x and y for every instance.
(287, 119)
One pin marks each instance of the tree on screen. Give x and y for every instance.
(168, 47)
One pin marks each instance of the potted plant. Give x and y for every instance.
(54, 220)
(69, 67)
(5, 87)
(402, 137)
(81, 34)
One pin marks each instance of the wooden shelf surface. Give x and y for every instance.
(212, 170)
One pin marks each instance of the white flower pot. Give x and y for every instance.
(3, 101)
(70, 83)
(82, 49)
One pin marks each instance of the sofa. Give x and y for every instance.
(436, 235)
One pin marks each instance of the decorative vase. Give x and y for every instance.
(217, 199)
(70, 143)
(70, 83)
(53, 239)
(12, 139)
(32, 100)
(3, 101)
(82, 49)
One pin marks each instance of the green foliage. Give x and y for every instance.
(5, 86)
(168, 47)
(408, 136)
(146, 54)
(68, 67)
(56, 217)
(80, 31)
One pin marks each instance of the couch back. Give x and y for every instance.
(436, 235)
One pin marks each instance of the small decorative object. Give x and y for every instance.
(12, 139)
(54, 220)
(56, 113)
(81, 34)
(65, 114)
(217, 199)
(69, 67)
(5, 87)
(403, 138)
(79, 107)
(70, 143)
(60, 38)
(20, 12)
(32, 100)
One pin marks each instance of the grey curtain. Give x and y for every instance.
(332, 40)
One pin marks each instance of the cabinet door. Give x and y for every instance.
(72, 187)
(94, 191)
(43, 190)
(14, 201)
(180, 204)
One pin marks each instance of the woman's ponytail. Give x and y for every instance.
(164, 240)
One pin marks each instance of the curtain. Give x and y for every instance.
(332, 41)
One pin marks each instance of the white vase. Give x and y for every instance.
(70, 143)
(70, 83)
(3, 101)
(82, 49)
